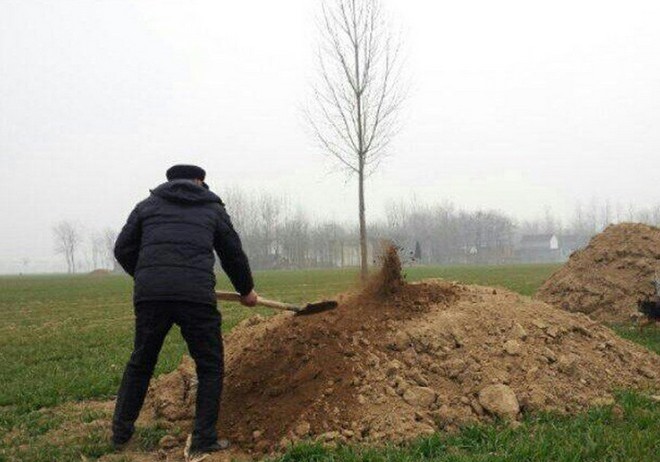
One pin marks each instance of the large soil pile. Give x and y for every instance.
(390, 365)
(607, 278)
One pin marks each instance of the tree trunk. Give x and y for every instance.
(341, 249)
(364, 270)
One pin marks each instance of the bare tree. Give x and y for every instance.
(607, 213)
(269, 209)
(109, 239)
(656, 215)
(67, 239)
(359, 92)
(551, 224)
(631, 212)
(295, 240)
(97, 249)
(25, 261)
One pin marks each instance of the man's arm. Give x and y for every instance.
(233, 260)
(127, 247)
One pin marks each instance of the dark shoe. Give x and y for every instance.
(119, 444)
(193, 453)
(121, 435)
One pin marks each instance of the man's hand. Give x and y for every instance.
(249, 299)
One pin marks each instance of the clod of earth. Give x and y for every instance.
(390, 364)
(499, 400)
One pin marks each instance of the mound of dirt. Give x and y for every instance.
(428, 356)
(100, 272)
(607, 278)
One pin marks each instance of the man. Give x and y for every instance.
(167, 247)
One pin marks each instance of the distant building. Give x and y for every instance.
(548, 248)
(539, 248)
(569, 243)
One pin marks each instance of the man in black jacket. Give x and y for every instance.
(167, 247)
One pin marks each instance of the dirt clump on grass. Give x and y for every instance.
(100, 272)
(428, 356)
(607, 278)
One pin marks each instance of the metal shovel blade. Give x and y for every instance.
(310, 308)
(317, 307)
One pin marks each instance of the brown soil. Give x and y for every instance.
(388, 280)
(607, 278)
(100, 272)
(424, 357)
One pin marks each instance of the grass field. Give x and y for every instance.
(66, 339)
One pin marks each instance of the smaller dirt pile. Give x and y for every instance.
(607, 278)
(100, 272)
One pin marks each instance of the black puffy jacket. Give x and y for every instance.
(168, 241)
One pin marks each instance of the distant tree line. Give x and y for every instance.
(442, 234)
(591, 218)
(279, 235)
(80, 247)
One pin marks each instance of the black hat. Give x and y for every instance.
(185, 172)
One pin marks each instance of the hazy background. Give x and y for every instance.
(514, 105)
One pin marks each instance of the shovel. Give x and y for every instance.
(310, 308)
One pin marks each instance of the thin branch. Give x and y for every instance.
(354, 115)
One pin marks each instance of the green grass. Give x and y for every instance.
(68, 338)
(65, 339)
(648, 337)
(55, 434)
(524, 279)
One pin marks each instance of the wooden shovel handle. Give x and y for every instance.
(236, 297)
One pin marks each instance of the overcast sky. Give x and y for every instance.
(514, 105)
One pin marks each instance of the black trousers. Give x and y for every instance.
(200, 327)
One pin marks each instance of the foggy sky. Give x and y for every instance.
(514, 105)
